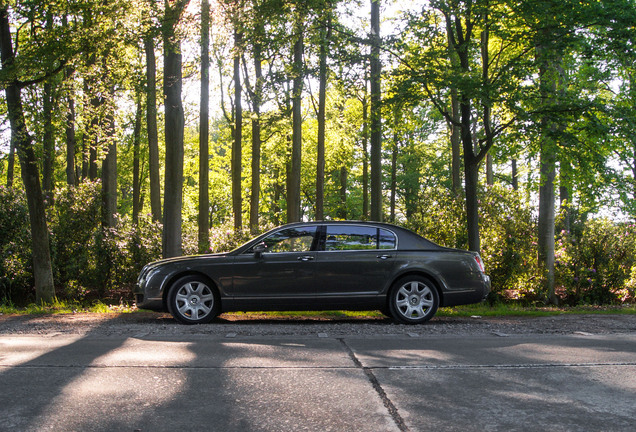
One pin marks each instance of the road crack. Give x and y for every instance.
(388, 404)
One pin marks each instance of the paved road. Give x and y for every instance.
(318, 383)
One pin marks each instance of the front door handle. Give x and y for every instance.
(383, 257)
(305, 258)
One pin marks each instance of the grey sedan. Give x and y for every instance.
(318, 266)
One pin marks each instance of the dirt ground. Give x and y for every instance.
(232, 325)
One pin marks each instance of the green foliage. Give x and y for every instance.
(509, 243)
(73, 223)
(16, 278)
(596, 262)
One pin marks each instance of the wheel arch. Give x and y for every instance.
(437, 284)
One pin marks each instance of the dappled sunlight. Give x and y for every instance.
(17, 350)
(326, 352)
(588, 353)
(75, 406)
(134, 352)
(311, 399)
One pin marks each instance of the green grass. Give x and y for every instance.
(503, 310)
(482, 309)
(64, 307)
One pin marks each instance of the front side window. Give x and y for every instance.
(298, 239)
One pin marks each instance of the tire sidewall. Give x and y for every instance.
(395, 312)
(172, 294)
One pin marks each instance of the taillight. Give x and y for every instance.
(480, 263)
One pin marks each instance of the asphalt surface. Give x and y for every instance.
(319, 382)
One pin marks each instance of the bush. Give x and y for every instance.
(596, 262)
(74, 222)
(16, 274)
(509, 244)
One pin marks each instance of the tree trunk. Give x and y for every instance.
(344, 175)
(11, 163)
(486, 104)
(515, 175)
(471, 175)
(151, 127)
(365, 157)
(376, 115)
(293, 184)
(136, 162)
(237, 147)
(109, 174)
(549, 78)
(174, 125)
(204, 126)
(454, 127)
(394, 155)
(42, 270)
(71, 178)
(256, 140)
(48, 142)
(325, 33)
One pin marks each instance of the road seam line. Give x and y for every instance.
(392, 409)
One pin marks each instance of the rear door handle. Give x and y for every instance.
(305, 258)
(383, 257)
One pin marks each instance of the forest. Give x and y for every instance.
(132, 130)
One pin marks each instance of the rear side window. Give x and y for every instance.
(351, 237)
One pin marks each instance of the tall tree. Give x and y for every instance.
(376, 114)
(137, 157)
(109, 171)
(237, 145)
(174, 129)
(256, 96)
(42, 269)
(151, 127)
(71, 176)
(204, 127)
(325, 35)
(293, 180)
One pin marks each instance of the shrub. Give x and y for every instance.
(16, 274)
(596, 261)
(74, 222)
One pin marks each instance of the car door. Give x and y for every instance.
(283, 272)
(354, 261)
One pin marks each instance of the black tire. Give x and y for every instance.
(413, 300)
(193, 300)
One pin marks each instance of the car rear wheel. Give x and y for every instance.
(193, 300)
(413, 300)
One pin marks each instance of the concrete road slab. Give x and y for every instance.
(414, 383)
(172, 352)
(194, 399)
(493, 350)
(514, 399)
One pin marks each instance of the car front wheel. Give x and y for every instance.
(413, 300)
(193, 300)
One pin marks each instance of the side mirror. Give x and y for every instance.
(259, 249)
